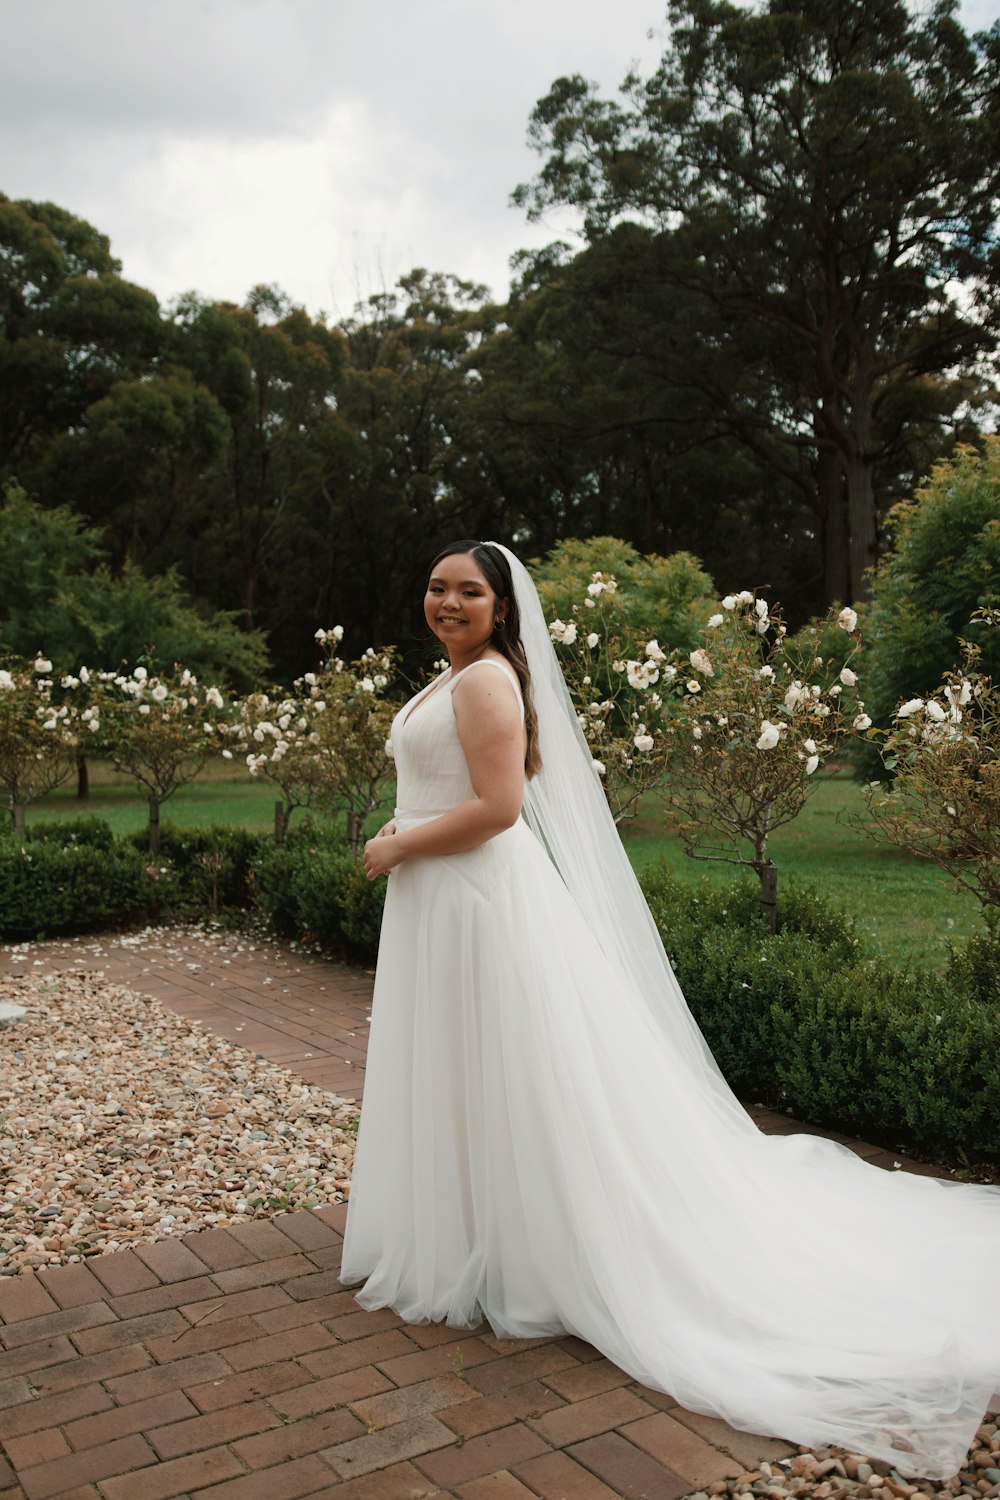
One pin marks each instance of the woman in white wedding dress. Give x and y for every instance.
(546, 1142)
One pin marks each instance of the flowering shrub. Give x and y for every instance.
(38, 735)
(753, 715)
(158, 729)
(615, 679)
(943, 803)
(324, 744)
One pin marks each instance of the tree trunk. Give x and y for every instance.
(355, 825)
(861, 518)
(833, 526)
(281, 816)
(769, 893)
(17, 813)
(154, 826)
(82, 777)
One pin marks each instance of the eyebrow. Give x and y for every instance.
(465, 583)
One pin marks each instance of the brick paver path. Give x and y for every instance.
(230, 1364)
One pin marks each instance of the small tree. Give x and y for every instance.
(160, 730)
(943, 802)
(613, 676)
(37, 735)
(755, 714)
(325, 744)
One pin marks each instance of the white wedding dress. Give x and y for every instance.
(542, 1148)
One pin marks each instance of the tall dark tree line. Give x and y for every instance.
(784, 309)
(813, 189)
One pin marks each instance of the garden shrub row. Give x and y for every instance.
(801, 1020)
(75, 876)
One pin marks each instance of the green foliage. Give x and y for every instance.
(95, 832)
(666, 598)
(802, 1020)
(210, 867)
(832, 313)
(59, 594)
(315, 888)
(943, 565)
(47, 889)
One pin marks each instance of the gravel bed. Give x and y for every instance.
(121, 1122)
(832, 1473)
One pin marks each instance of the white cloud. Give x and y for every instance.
(326, 145)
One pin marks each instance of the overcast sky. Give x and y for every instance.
(325, 145)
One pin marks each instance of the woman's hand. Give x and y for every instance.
(382, 852)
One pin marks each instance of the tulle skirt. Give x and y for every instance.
(532, 1155)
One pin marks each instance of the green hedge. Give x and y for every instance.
(801, 1020)
(47, 889)
(315, 888)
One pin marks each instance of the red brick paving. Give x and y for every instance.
(230, 1365)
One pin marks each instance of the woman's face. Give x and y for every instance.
(460, 606)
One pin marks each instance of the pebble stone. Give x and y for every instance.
(831, 1473)
(122, 1122)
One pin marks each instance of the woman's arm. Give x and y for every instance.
(488, 716)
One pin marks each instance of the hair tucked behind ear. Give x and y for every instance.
(506, 637)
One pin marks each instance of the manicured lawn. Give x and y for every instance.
(905, 908)
(223, 793)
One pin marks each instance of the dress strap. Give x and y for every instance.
(501, 666)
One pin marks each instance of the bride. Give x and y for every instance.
(546, 1141)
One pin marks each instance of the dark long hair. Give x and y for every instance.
(506, 638)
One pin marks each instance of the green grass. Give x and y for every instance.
(223, 793)
(906, 909)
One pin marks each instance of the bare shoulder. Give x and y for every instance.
(489, 689)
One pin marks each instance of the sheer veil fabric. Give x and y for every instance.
(547, 1143)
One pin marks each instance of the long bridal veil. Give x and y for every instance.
(778, 1282)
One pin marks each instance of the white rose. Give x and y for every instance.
(338, 633)
(848, 620)
(366, 684)
(767, 673)
(935, 711)
(729, 602)
(84, 675)
(159, 693)
(702, 662)
(714, 622)
(42, 664)
(600, 768)
(227, 755)
(769, 735)
(847, 677)
(140, 674)
(744, 597)
(557, 630)
(213, 697)
(911, 706)
(6, 680)
(696, 731)
(593, 639)
(809, 746)
(760, 607)
(569, 634)
(653, 651)
(862, 722)
(144, 708)
(643, 742)
(811, 764)
(595, 588)
(693, 686)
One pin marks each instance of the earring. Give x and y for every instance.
(498, 623)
